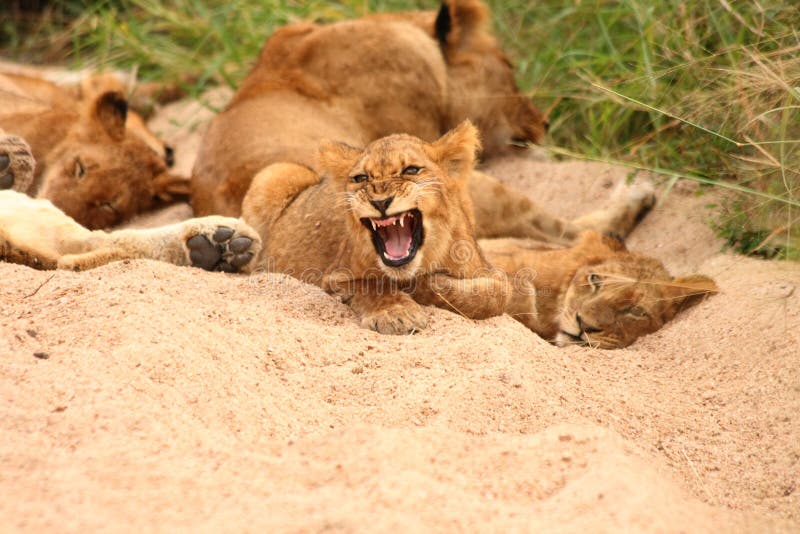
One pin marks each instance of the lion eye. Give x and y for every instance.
(358, 178)
(637, 311)
(594, 280)
(79, 171)
(412, 170)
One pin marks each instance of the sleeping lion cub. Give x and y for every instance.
(593, 293)
(95, 160)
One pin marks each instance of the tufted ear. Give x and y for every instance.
(458, 21)
(171, 188)
(336, 159)
(110, 110)
(455, 151)
(686, 291)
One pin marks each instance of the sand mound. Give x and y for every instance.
(143, 396)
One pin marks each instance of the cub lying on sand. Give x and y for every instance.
(95, 161)
(387, 228)
(419, 73)
(594, 293)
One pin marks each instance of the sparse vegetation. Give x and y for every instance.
(704, 89)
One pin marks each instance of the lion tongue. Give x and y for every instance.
(396, 240)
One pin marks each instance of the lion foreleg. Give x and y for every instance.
(381, 306)
(34, 232)
(212, 243)
(476, 298)
(271, 190)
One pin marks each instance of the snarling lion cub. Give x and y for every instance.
(594, 293)
(95, 160)
(388, 228)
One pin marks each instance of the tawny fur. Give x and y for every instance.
(333, 248)
(36, 233)
(356, 81)
(593, 293)
(95, 161)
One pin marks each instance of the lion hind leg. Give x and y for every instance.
(629, 206)
(501, 211)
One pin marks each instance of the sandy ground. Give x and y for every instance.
(146, 397)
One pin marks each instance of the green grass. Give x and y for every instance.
(704, 89)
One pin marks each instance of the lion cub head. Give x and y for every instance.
(610, 302)
(103, 172)
(406, 200)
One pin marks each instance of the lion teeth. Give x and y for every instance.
(402, 218)
(374, 226)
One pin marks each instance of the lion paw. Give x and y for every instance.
(222, 244)
(398, 319)
(16, 163)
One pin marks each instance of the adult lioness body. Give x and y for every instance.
(418, 73)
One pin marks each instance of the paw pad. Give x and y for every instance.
(16, 163)
(6, 176)
(223, 252)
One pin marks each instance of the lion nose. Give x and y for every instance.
(169, 155)
(586, 328)
(382, 205)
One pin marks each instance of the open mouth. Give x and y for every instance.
(396, 238)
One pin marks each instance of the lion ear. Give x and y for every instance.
(171, 188)
(455, 151)
(110, 110)
(458, 21)
(336, 159)
(686, 291)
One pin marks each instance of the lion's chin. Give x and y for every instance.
(397, 238)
